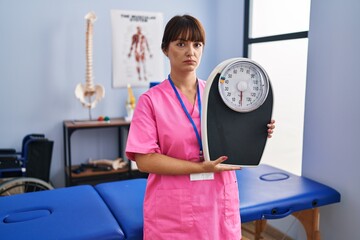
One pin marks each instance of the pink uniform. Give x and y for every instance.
(176, 207)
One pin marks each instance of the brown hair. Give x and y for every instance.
(183, 27)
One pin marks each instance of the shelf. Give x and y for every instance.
(89, 176)
(78, 124)
(88, 172)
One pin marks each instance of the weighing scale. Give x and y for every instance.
(237, 106)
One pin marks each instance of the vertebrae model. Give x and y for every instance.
(88, 93)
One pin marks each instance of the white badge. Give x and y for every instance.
(201, 176)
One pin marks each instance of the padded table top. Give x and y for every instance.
(267, 193)
(65, 213)
(125, 200)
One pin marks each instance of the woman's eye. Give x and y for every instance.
(197, 45)
(181, 44)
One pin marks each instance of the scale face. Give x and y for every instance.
(237, 106)
(243, 85)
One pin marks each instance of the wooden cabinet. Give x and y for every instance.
(89, 176)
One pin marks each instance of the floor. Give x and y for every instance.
(269, 233)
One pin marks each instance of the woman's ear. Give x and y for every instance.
(165, 52)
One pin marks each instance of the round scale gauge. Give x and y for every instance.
(243, 85)
(237, 105)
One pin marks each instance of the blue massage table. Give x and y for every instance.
(270, 193)
(114, 210)
(67, 213)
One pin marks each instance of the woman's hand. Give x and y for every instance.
(217, 166)
(271, 127)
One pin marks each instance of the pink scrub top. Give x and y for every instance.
(176, 207)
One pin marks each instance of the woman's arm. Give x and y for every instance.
(162, 164)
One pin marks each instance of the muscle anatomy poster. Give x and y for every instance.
(137, 56)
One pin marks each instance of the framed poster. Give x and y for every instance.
(137, 55)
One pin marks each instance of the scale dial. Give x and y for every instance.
(243, 85)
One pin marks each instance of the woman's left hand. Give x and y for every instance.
(271, 127)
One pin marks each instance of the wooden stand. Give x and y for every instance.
(88, 176)
(309, 218)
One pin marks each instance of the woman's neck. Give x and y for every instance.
(187, 84)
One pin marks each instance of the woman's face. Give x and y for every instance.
(184, 55)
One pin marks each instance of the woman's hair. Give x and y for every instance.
(183, 27)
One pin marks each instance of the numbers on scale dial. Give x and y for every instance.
(243, 86)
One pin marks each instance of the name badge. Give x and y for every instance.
(201, 176)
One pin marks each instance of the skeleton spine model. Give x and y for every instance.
(88, 93)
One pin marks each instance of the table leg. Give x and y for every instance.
(259, 228)
(310, 220)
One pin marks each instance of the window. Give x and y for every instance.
(276, 37)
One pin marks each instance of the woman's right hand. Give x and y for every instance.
(217, 166)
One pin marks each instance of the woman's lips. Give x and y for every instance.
(189, 62)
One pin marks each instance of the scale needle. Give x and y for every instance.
(241, 96)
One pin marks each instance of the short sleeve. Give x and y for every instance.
(142, 136)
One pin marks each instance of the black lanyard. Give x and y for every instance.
(187, 113)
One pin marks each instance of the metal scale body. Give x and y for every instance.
(237, 106)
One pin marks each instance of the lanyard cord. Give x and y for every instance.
(186, 111)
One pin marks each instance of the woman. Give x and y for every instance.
(186, 198)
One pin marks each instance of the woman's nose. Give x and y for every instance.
(190, 50)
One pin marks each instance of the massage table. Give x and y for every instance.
(114, 209)
(270, 193)
(66, 213)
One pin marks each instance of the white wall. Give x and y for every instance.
(229, 29)
(332, 113)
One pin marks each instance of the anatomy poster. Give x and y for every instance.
(137, 56)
